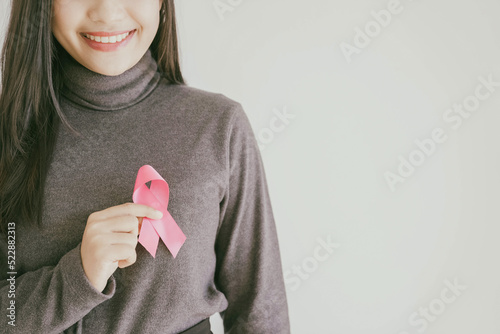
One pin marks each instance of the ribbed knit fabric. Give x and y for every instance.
(203, 145)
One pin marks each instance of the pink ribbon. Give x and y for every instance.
(157, 197)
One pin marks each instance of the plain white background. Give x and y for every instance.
(349, 124)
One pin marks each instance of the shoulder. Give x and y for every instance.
(199, 102)
(203, 111)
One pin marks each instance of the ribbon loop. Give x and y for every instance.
(156, 196)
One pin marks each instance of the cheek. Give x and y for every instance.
(67, 14)
(146, 14)
(64, 19)
(61, 28)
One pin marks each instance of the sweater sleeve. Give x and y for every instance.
(49, 299)
(249, 270)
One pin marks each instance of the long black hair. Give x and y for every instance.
(30, 113)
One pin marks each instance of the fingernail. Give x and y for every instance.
(158, 214)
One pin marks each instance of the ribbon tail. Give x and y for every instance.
(170, 233)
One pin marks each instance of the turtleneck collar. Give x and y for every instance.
(96, 91)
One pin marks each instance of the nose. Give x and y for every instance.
(107, 12)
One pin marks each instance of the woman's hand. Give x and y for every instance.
(110, 238)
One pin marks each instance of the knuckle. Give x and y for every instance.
(132, 219)
(129, 251)
(92, 218)
(132, 258)
(131, 241)
(88, 235)
(128, 205)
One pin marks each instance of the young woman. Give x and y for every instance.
(108, 72)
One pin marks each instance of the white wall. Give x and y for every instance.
(398, 251)
(4, 16)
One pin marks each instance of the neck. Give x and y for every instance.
(107, 93)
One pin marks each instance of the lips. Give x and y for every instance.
(108, 43)
(103, 33)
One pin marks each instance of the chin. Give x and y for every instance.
(109, 71)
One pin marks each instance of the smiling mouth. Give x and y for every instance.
(110, 39)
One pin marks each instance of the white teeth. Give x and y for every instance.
(107, 39)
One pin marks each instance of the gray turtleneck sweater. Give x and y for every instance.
(203, 145)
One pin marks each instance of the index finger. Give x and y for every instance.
(134, 209)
